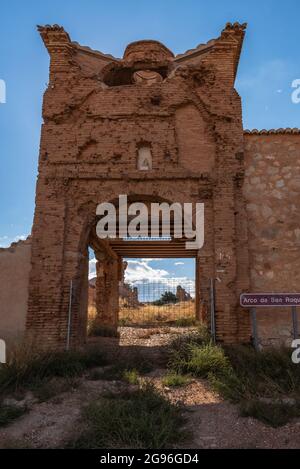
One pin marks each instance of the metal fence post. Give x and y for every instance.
(212, 310)
(295, 322)
(69, 316)
(254, 328)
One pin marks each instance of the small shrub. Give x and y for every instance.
(273, 414)
(254, 376)
(267, 373)
(166, 298)
(124, 321)
(28, 366)
(176, 380)
(134, 361)
(141, 419)
(9, 413)
(242, 375)
(131, 376)
(229, 385)
(48, 388)
(185, 322)
(205, 360)
(200, 360)
(179, 349)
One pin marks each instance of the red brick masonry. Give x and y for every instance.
(184, 112)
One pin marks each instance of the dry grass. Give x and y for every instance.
(152, 314)
(140, 419)
(29, 367)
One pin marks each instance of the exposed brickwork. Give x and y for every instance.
(107, 293)
(127, 293)
(98, 112)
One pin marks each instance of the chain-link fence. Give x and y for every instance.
(170, 301)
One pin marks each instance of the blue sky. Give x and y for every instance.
(162, 273)
(269, 64)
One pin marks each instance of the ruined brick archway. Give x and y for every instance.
(150, 124)
(111, 253)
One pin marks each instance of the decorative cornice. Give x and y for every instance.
(54, 33)
(287, 131)
(234, 28)
(55, 37)
(235, 32)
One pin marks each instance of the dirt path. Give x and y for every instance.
(214, 423)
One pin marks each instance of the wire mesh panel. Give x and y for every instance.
(167, 301)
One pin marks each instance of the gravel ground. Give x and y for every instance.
(213, 422)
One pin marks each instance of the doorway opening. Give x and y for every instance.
(142, 281)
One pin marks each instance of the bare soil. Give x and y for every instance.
(213, 422)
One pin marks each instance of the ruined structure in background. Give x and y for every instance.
(92, 292)
(127, 294)
(158, 127)
(182, 294)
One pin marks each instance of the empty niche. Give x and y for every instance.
(144, 158)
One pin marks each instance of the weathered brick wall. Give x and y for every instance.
(272, 191)
(98, 112)
(14, 282)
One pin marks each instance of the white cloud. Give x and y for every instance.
(139, 270)
(151, 260)
(92, 268)
(152, 289)
(179, 263)
(139, 273)
(6, 241)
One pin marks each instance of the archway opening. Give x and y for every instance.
(141, 282)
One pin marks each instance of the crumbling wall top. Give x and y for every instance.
(147, 49)
(287, 131)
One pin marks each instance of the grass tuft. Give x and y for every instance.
(9, 413)
(131, 376)
(242, 375)
(269, 374)
(173, 379)
(185, 322)
(141, 419)
(194, 353)
(46, 389)
(28, 366)
(275, 414)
